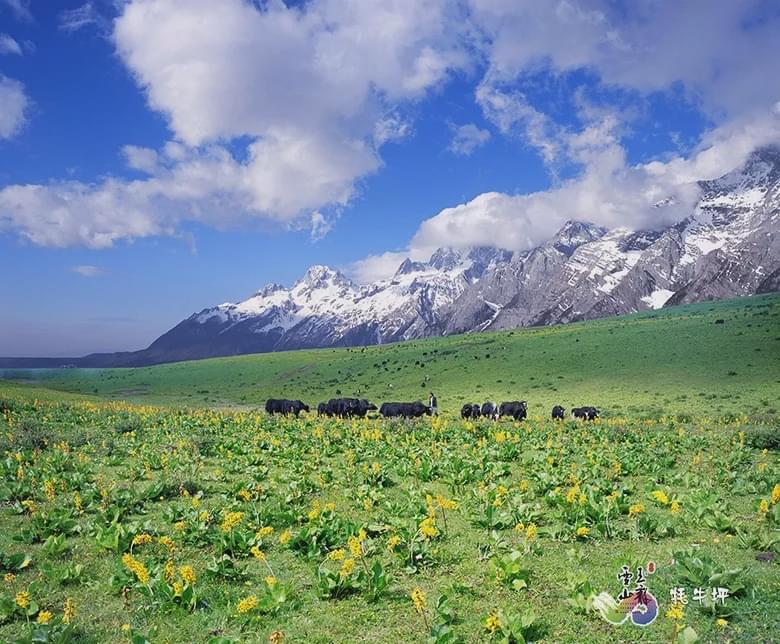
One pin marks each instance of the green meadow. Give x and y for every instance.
(671, 361)
(162, 505)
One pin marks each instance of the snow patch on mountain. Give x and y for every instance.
(658, 298)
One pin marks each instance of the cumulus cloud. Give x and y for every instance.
(467, 138)
(9, 46)
(87, 270)
(303, 90)
(277, 112)
(13, 107)
(140, 158)
(384, 265)
(609, 192)
(723, 53)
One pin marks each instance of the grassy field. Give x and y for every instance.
(166, 525)
(674, 360)
(202, 520)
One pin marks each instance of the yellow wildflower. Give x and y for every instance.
(582, 531)
(660, 496)
(428, 527)
(393, 541)
(418, 597)
(355, 547)
(346, 568)
(722, 623)
(9, 577)
(44, 617)
(30, 506)
(271, 581)
(530, 532)
(48, 489)
(142, 539)
(247, 604)
(264, 531)
(776, 493)
(69, 611)
(276, 637)
(446, 504)
(675, 507)
(22, 599)
(337, 554)
(136, 567)
(167, 542)
(285, 537)
(636, 509)
(179, 525)
(257, 553)
(763, 508)
(676, 612)
(187, 574)
(492, 623)
(523, 485)
(231, 520)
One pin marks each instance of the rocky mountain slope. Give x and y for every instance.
(728, 246)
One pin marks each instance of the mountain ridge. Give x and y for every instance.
(728, 246)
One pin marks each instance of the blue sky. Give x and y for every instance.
(158, 157)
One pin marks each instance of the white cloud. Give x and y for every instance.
(13, 106)
(87, 270)
(310, 93)
(9, 46)
(723, 52)
(20, 9)
(609, 192)
(467, 138)
(141, 159)
(83, 16)
(511, 113)
(277, 112)
(320, 225)
(376, 267)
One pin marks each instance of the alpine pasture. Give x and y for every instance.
(160, 504)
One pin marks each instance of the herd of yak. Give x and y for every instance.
(358, 408)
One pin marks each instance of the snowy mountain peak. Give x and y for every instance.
(408, 266)
(445, 259)
(319, 276)
(269, 289)
(574, 234)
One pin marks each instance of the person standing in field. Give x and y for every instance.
(433, 404)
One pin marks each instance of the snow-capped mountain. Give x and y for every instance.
(325, 308)
(728, 246)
